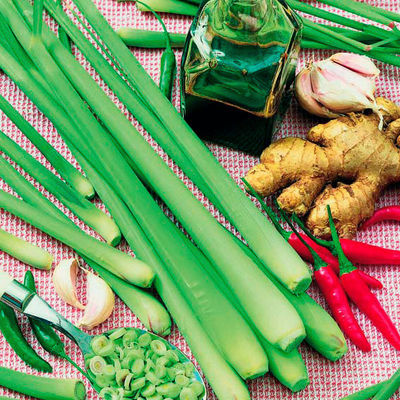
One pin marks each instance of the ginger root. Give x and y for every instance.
(345, 163)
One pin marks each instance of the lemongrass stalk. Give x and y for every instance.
(359, 9)
(169, 6)
(311, 44)
(146, 307)
(149, 39)
(289, 331)
(389, 388)
(223, 380)
(42, 387)
(354, 34)
(377, 10)
(321, 29)
(310, 33)
(80, 206)
(366, 393)
(330, 16)
(25, 251)
(258, 232)
(8, 38)
(121, 213)
(63, 36)
(254, 365)
(287, 367)
(130, 269)
(63, 167)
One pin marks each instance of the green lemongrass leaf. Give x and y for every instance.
(25, 251)
(80, 206)
(366, 393)
(336, 35)
(382, 43)
(310, 33)
(37, 17)
(377, 32)
(63, 167)
(389, 388)
(359, 9)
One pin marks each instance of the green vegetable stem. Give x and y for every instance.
(41, 387)
(63, 167)
(150, 39)
(24, 251)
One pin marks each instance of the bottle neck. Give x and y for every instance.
(246, 15)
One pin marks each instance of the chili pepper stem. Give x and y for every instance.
(272, 216)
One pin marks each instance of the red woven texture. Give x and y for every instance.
(328, 380)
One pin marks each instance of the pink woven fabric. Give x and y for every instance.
(328, 380)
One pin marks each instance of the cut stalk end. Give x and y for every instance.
(300, 385)
(291, 340)
(84, 187)
(300, 285)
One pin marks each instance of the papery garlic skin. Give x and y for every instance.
(306, 99)
(358, 63)
(338, 85)
(64, 280)
(100, 302)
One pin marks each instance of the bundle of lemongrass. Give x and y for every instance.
(381, 43)
(258, 291)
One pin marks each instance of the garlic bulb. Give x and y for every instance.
(101, 301)
(64, 279)
(341, 84)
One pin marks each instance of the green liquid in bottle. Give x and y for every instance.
(238, 63)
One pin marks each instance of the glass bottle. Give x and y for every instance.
(238, 63)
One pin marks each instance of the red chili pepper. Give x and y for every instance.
(334, 294)
(357, 252)
(383, 214)
(363, 253)
(361, 295)
(325, 254)
(336, 297)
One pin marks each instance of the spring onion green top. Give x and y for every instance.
(132, 364)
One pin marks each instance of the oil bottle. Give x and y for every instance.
(237, 68)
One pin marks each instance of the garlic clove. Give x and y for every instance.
(304, 95)
(101, 301)
(64, 280)
(358, 63)
(336, 95)
(344, 76)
